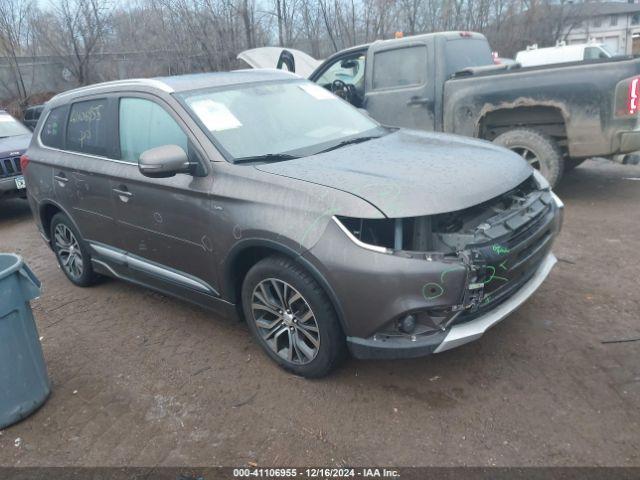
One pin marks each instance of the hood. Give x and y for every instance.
(410, 174)
(17, 143)
(267, 57)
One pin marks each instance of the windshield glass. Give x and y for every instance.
(292, 117)
(10, 127)
(467, 52)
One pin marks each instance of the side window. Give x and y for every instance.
(87, 128)
(350, 70)
(51, 134)
(145, 124)
(591, 53)
(400, 67)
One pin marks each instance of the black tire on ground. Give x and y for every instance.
(332, 348)
(88, 277)
(528, 143)
(571, 163)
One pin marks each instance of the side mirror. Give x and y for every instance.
(164, 161)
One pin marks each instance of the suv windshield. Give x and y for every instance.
(268, 120)
(10, 127)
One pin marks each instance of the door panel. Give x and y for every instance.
(82, 180)
(165, 221)
(399, 87)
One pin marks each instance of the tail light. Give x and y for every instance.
(633, 96)
(24, 161)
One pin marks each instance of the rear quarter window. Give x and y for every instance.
(52, 131)
(400, 67)
(87, 127)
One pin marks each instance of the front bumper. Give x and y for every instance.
(372, 289)
(454, 336)
(8, 188)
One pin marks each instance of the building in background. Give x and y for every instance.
(614, 24)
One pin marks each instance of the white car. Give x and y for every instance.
(534, 56)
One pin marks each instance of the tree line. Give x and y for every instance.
(206, 35)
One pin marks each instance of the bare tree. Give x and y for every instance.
(15, 39)
(74, 30)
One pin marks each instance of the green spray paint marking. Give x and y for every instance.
(431, 291)
(494, 276)
(502, 265)
(500, 250)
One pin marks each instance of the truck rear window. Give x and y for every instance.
(466, 52)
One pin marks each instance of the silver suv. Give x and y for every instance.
(260, 194)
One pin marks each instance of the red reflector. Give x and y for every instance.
(24, 161)
(465, 34)
(634, 95)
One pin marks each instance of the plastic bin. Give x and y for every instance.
(24, 383)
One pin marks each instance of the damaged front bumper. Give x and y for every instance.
(445, 299)
(390, 348)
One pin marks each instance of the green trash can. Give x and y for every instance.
(24, 383)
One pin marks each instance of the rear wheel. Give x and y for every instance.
(538, 149)
(71, 251)
(291, 318)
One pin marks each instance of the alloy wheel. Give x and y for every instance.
(68, 250)
(285, 321)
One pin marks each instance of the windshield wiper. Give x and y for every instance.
(351, 141)
(267, 157)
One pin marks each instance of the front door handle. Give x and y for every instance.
(419, 101)
(123, 194)
(61, 178)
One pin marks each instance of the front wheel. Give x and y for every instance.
(538, 149)
(291, 318)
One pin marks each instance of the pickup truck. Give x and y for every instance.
(554, 116)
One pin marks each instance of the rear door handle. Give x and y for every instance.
(123, 193)
(61, 179)
(419, 101)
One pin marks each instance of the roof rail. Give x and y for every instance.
(150, 82)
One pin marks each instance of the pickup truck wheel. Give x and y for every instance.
(291, 318)
(538, 149)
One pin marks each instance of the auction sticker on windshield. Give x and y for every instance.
(215, 116)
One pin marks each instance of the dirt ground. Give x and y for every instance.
(143, 379)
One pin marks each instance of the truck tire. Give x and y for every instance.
(538, 149)
(571, 163)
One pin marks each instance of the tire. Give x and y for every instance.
(539, 149)
(66, 238)
(312, 354)
(571, 163)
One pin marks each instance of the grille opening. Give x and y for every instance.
(510, 213)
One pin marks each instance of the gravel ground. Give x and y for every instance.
(143, 379)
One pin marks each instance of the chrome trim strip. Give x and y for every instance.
(167, 274)
(110, 253)
(151, 268)
(467, 332)
(361, 244)
(106, 267)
